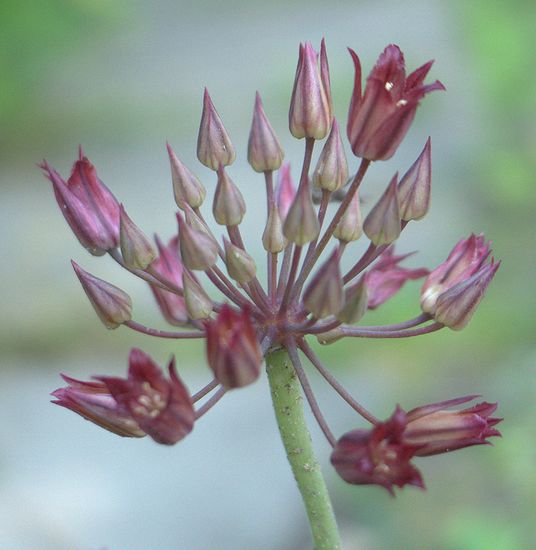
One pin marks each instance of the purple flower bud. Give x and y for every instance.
(324, 295)
(455, 307)
(414, 188)
(331, 170)
(94, 402)
(136, 249)
(214, 146)
(169, 266)
(240, 264)
(382, 225)
(379, 120)
(310, 106)
(355, 303)
(112, 305)
(186, 186)
(198, 251)
(466, 258)
(264, 150)
(273, 239)
(228, 207)
(286, 191)
(350, 226)
(301, 223)
(386, 277)
(233, 351)
(88, 206)
(161, 407)
(198, 303)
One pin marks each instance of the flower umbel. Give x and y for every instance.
(307, 292)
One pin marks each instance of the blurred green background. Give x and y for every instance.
(121, 77)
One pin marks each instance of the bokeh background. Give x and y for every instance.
(121, 77)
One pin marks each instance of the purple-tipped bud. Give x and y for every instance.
(193, 220)
(186, 186)
(414, 188)
(88, 206)
(136, 249)
(331, 170)
(264, 150)
(310, 112)
(233, 351)
(112, 305)
(350, 226)
(355, 303)
(382, 225)
(214, 146)
(465, 259)
(198, 303)
(240, 264)
(301, 224)
(273, 239)
(198, 251)
(286, 191)
(455, 307)
(161, 407)
(379, 119)
(324, 295)
(169, 266)
(229, 206)
(94, 402)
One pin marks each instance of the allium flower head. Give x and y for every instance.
(210, 286)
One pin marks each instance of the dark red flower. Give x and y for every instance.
(233, 351)
(379, 119)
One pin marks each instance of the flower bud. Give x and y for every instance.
(350, 226)
(233, 351)
(331, 170)
(414, 187)
(198, 304)
(112, 305)
(264, 150)
(194, 221)
(310, 106)
(382, 225)
(301, 224)
(169, 266)
(186, 186)
(330, 337)
(198, 251)
(240, 264)
(273, 239)
(136, 249)
(214, 146)
(455, 307)
(324, 295)
(355, 303)
(229, 206)
(286, 191)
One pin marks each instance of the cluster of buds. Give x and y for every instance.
(307, 293)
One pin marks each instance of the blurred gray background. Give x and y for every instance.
(121, 77)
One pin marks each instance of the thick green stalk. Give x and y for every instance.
(288, 407)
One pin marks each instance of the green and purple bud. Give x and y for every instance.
(186, 185)
(228, 207)
(198, 303)
(355, 303)
(285, 191)
(331, 170)
(214, 146)
(350, 226)
(382, 225)
(233, 351)
(240, 265)
(87, 205)
(137, 250)
(379, 119)
(310, 112)
(301, 223)
(273, 239)
(199, 252)
(264, 150)
(112, 305)
(415, 186)
(324, 295)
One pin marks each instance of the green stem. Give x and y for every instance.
(288, 407)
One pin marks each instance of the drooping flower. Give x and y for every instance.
(379, 119)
